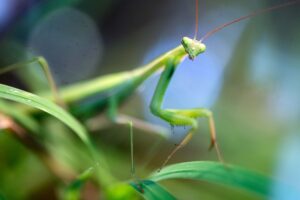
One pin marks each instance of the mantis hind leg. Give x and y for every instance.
(114, 116)
(186, 117)
(41, 61)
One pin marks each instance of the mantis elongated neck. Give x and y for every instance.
(178, 53)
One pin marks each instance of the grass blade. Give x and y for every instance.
(14, 94)
(20, 96)
(32, 100)
(219, 173)
(152, 191)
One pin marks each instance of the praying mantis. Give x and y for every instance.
(115, 88)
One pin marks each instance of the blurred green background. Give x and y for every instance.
(249, 76)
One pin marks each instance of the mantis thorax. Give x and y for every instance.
(192, 47)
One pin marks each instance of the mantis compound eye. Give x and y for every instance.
(192, 47)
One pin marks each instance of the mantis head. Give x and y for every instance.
(192, 47)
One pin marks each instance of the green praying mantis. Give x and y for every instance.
(115, 88)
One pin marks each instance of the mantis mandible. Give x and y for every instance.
(115, 88)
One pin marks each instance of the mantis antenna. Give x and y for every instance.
(196, 19)
(253, 14)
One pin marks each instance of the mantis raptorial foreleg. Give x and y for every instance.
(197, 113)
(186, 117)
(46, 69)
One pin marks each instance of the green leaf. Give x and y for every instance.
(219, 173)
(151, 190)
(14, 94)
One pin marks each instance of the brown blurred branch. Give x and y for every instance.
(6, 123)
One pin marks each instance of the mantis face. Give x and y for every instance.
(192, 47)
